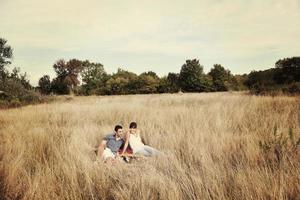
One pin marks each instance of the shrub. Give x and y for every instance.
(293, 88)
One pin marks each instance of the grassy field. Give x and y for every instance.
(217, 146)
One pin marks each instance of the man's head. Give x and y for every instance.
(118, 130)
(132, 127)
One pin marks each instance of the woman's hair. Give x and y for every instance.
(133, 125)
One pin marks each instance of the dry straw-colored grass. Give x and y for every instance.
(211, 145)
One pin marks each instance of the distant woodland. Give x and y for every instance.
(83, 77)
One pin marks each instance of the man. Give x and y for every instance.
(111, 143)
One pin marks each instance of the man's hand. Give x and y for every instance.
(118, 155)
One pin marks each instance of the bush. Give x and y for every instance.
(284, 78)
(14, 94)
(31, 97)
(15, 103)
(293, 88)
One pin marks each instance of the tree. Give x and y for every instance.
(192, 78)
(173, 80)
(287, 70)
(284, 78)
(17, 89)
(148, 82)
(122, 82)
(21, 78)
(169, 84)
(117, 85)
(6, 53)
(94, 78)
(14, 85)
(58, 86)
(163, 86)
(240, 82)
(45, 84)
(67, 75)
(222, 79)
(150, 73)
(261, 81)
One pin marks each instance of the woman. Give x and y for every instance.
(133, 138)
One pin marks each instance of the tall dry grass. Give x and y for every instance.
(211, 145)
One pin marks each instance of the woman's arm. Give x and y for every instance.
(126, 143)
(142, 138)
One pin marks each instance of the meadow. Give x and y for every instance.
(216, 146)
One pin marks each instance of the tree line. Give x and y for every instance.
(283, 78)
(83, 77)
(15, 88)
(96, 81)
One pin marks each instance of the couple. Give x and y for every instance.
(110, 147)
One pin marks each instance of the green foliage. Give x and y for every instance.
(59, 86)
(284, 78)
(67, 75)
(169, 84)
(163, 85)
(173, 82)
(125, 82)
(6, 54)
(287, 70)
(94, 78)
(148, 82)
(122, 82)
(293, 88)
(192, 77)
(15, 89)
(222, 79)
(260, 82)
(240, 82)
(45, 84)
(20, 78)
(117, 85)
(279, 147)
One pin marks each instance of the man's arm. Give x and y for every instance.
(101, 148)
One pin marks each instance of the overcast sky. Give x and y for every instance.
(157, 35)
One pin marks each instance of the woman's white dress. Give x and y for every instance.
(136, 143)
(138, 147)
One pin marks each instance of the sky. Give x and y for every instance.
(144, 35)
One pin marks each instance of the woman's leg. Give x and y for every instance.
(148, 151)
(143, 152)
(152, 150)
